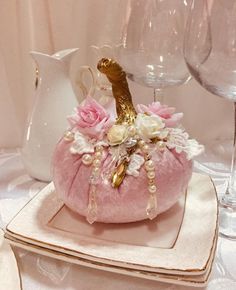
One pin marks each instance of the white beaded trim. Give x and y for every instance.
(149, 166)
(94, 178)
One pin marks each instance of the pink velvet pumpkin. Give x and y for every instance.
(124, 194)
(128, 202)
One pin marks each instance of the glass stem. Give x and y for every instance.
(158, 95)
(230, 197)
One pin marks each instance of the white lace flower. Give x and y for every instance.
(179, 140)
(163, 133)
(193, 149)
(83, 144)
(136, 161)
(148, 127)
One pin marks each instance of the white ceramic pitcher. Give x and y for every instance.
(54, 101)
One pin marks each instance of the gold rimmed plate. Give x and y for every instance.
(179, 243)
(185, 280)
(9, 272)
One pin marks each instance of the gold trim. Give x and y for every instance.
(128, 263)
(18, 267)
(83, 256)
(16, 262)
(36, 78)
(183, 278)
(173, 245)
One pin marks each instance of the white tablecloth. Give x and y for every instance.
(39, 272)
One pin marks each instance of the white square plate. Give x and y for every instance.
(179, 245)
(9, 273)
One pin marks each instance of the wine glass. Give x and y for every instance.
(210, 54)
(152, 43)
(103, 86)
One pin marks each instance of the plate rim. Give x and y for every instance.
(191, 271)
(161, 277)
(14, 263)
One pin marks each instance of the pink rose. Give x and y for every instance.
(91, 119)
(166, 113)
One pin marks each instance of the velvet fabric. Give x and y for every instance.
(128, 202)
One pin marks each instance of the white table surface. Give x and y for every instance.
(40, 272)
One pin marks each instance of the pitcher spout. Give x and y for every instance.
(62, 56)
(65, 54)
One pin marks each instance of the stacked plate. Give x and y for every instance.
(177, 247)
(9, 273)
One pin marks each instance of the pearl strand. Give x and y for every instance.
(94, 178)
(149, 166)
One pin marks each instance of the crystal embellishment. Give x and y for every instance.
(130, 143)
(151, 208)
(92, 212)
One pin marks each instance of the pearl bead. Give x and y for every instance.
(131, 131)
(151, 174)
(96, 162)
(96, 170)
(93, 179)
(92, 189)
(141, 143)
(151, 181)
(99, 148)
(145, 148)
(149, 165)
(161, 145)
(69, 136)
(98, 154)
(87, 159)
(147, 157)
(152, 188)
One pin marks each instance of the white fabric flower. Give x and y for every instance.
(148, 127)
(163, 133)
(136, 161)
(179, 140)
(83, 144)
(193, 149)
(117, 134)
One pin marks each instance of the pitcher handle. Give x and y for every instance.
(80, 80)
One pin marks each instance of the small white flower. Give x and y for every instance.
(136, 161)
(148, 127)
(163, 133)
(117, 134)
(193, 149)
(179, 140)
(83, 144)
